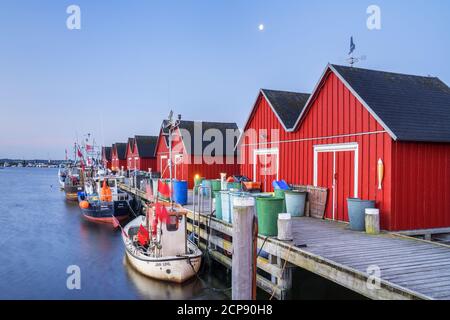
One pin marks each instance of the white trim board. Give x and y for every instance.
(333, 148)
(258, 152)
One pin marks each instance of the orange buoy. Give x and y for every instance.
(105, 193)
(84, 204)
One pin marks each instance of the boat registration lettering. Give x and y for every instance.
(162, 264)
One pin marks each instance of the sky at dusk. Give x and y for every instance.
(133, 61)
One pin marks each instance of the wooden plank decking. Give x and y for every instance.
(415, 265)
(410, 268)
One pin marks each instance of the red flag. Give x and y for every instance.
(163, 189)
(161, 212)
(89, 148)
(79, 153)
(143, 237)
(115, 222)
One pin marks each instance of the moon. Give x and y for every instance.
(261, 27)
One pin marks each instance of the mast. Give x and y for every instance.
(172, 125)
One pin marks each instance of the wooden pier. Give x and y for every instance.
(409, 268)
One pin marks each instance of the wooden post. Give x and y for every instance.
(242, 262)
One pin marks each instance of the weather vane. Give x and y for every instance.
(353, 60)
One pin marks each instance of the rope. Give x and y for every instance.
(282, 272)
(132, 211)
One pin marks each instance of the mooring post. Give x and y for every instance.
(242, 262)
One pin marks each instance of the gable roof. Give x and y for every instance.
(409, 107)
(286, 105)
(106, 153)
(146, 146)
(121, 149)
(189, 128)
(130, 144)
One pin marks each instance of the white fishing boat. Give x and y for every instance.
(169, 255)
(157, 244)
(62, 174)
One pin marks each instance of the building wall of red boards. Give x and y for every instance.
(141, 164)
(106, 163)
(191, 166)
(415, 192)
(116, 163)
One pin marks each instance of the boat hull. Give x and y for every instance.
(104, 213)
(177, 269)
(72, 192)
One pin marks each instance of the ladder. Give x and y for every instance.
(202, 204)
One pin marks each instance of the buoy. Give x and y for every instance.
(84, 204)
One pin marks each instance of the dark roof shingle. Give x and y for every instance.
(146, 146)
(287, 105)
(414, 108)
(106, 153)
(188, 130)
(121, 149)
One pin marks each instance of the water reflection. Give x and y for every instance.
(152, 289)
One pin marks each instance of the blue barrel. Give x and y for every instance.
(357, 214)
(180, 192)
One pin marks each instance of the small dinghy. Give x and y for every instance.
(157, 245)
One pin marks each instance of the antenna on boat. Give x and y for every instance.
(171, 125)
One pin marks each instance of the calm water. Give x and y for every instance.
(42, 234)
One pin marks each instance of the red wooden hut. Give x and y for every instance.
(106, 157)
(130, 155)
(118, 156)
(355, 120)
(141, 153)
(199, 148)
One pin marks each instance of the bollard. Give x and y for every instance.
(243, 251)
(284, 227)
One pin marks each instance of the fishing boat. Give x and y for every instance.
(163, 253)
(102, 201)
(157, 244)
(62, 175)
(73, 184)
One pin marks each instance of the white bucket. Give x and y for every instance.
(285, 227)
(372, 220)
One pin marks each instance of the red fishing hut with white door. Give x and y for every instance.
(362, 133)
(141, 153)
(199, 148)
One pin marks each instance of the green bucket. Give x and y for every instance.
(280, 193)
(267, 210)
(234, 186)
(216, 185)
(218, 203)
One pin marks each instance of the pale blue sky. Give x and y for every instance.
(205, 59)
